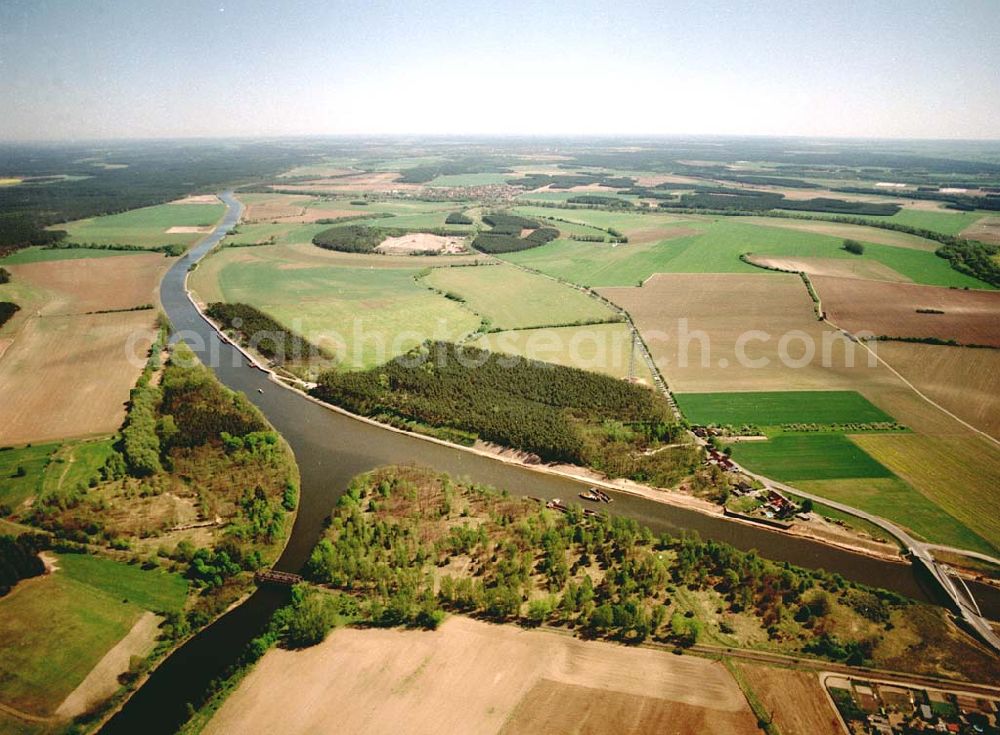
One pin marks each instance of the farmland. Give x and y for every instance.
(605, 348)
(513, 299)
(795, 699)
(908, 310)
(147, 227)
(957, 472)
(779, 407)
(43, 371)
(820, 456)
(965, 381)
(55, 628)
(61, 343)
(371, 680)
(363, 315)
(891, 497)
(715, 247)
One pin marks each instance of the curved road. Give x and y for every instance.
(331, 448)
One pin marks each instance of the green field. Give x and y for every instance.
(945, 222)
(54, 629)
(73, 465)
(365, 315)
(514, 299)
(604, 348)
(146, 227)
(469, 179)
(16, 487)
(891, 497)
(779, 407)
(39, 255)
(716, 250)
(814, 456)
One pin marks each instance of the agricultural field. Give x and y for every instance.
(70, 376)
(362, 314)
(21, 471)
(909, 310)
(956, 472)
(985, 229)
(964, 380)
(469, 179)
(514, 299)
(795, 699)
(814, 456)
(54, 629)
(714, 246)
(40, 254)
(692, 324)
(892, 497)
(60, 341)
(165, 224)
(853, 232)
(518, 681)
(779, 407)
(604, 348)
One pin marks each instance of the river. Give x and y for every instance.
(331, 448)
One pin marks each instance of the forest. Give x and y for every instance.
(262, 333)
(504, 235)
(63, 183)
(560, 414)
(743, 200)
(19, 559)
(191, 437)
(568, 181)
(7, 311)
(411, 545)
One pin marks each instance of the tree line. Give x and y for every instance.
(559, 413)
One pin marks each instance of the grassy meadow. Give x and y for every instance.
(773, 408)
(21, 472)
(604, 348)
(514, 299)
(146, 227)
(812, 456)
(54, 629)
(715, 249)
(365, 315)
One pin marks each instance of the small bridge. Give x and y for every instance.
(272, 576)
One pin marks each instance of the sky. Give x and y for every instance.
(74, 69)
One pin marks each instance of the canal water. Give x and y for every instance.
(331, 448)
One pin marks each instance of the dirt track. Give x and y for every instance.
(471, 677)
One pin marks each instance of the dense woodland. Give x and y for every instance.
(262, 333)
(410, 544)
(741, 199)
(568, 181)
(504, 235)
(7, 311)
(64, 183)
(560, 414)
(19, 559)
(187, 438)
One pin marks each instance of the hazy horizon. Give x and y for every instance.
(116, 70)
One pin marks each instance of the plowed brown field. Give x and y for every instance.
(474, 678)
(970, 317)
